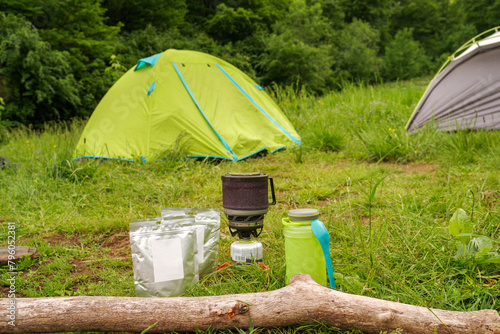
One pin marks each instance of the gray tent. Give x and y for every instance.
(465, 94)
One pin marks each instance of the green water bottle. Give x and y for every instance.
(303, 251)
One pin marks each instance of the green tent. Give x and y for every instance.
(220, 111)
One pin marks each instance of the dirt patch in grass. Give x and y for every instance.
(64, 239)
(84, 267)
(412, 168)
(111, 245)
(418, 168)
(5, 291)
(363, 220)
(119, 245)
(104, 248)
(114, 245)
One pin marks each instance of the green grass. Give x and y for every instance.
(386, 197)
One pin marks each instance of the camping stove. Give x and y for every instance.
(245, 201)
(245, 224)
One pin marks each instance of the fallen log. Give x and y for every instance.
(301, 302)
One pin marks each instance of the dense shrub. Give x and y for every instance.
(289, 61)
(37, 81)
(357, 52)
(160, 13)
(404, 57)
(230, 24)
(299, 50)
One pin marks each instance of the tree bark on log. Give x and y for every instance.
(302, 302)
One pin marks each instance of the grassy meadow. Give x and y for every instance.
(386, 197)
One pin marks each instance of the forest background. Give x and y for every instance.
(59, 57)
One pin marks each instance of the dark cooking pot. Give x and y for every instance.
(247, 191)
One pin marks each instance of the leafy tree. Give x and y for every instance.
(290, 61)
(37, 82)
(404, 57)
(452, 40)
(482, 14)
(2, 107)
(137, 14)
(357, 52)
(427, 20)
(250, 23)
(21, 7)
(378, 13)
(458, 31)
(239, 20)
(269, 11)
(199, 11)
(331, 10)
(115, 69)
(230, 24)
(299, 50)
(306, 23)
(77, 28)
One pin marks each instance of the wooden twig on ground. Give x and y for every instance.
(302, 302)
(20, 251)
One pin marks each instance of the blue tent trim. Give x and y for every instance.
(207, 156)
(258, 87)
(295, 140)
(219, 157)
(235, 158)
(279, 148)
(189, 156)
(101, 157)
(262, 149)
(144, 62)
(152, 87)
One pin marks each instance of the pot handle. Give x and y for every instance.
(272, 191)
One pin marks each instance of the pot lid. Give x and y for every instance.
(244, 177)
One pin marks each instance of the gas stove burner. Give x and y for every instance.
(246, 226)
(245, 223)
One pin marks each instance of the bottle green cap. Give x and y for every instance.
(303, 214)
